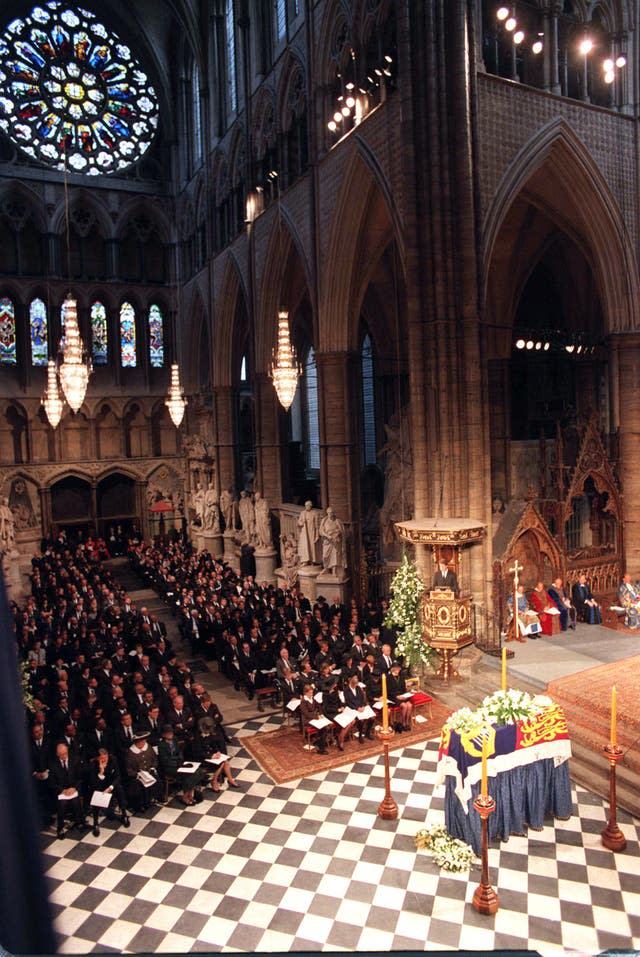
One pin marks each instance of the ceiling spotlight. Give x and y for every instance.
(337, 116)
(547, 346)
(569, 349)
(518, 36)
(586, 46)
(607, 66)
(538, 346)
(510, 24)
(520, 344)
(348, 86)
(502, 13)
(350, 102)
(621, 61)
(529, 343)
(388, 58)
(333, 126)
(346, 111)
(537, 47)
(609, 77)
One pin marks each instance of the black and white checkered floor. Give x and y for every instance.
(309, 866)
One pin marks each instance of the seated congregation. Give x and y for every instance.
(550, 610)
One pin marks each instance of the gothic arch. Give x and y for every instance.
(364, 221)
(225, 333)
(11, 190)
(556, 174)
(265, 124)
(82, 198)
(335, 40)
(284, 281)
(237, 157)
(292, 79)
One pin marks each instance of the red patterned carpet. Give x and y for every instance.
(281, 754)
(586, 699)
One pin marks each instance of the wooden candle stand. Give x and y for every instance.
(485, 900)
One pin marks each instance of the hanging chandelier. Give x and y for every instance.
(75, 367)
(176, 402)
(284, 370)
(52, 400)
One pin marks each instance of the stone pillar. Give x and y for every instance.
(224, 405)
(265, 565)
(339, 460)
(268, 476)
(212, 543)
(627, 348)
(307, 577)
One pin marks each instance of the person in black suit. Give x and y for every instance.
(65, 782)
(309, 711)
(40, 754)
(105, 776)
(445, 578)
(355, 698)
(587, 608)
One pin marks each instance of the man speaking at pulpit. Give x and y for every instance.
(445, 578)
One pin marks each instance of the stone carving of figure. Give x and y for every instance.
(308, 534)
(332, 535)
(21, 506)
(263, 536)
(290, 560)
(197, 501)
(227, 504)
(7, 526)
(247, 516)
(210, 512)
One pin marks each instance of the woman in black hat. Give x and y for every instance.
(171, 757)
(333, 706)
(396, 687)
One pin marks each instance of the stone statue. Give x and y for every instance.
(7, 526)
(210, 511)
(247, 517)
(332, 535)
(21, 506)
(308, 534)
(197, 503)
(227, 506)
(290, 560)
(263, 535)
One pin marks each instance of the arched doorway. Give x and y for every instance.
(71, 507)
(116, 505)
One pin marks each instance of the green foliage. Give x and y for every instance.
(25, 684)
(404, 615)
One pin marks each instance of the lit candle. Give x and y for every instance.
(504, 669)
(385, 704)
(614, 710)
(485, 747)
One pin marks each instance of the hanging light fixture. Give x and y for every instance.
(75, 367)
(176, 402)
(285, 370)
(52, 400)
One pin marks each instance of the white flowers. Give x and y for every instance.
(448, 852)
(404, 614)
(502, 707)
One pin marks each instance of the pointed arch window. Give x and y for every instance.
(243, 370)
(38, 333)
(99, 334)
(197, 115)
(128, 351)
(313, 418)
(232, 82)
(280, 11)
(7, 332)
(156, 337)
(368, 402)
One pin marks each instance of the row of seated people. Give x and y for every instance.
(95, 686)
(538, 611)
(244, 626)
(351, 697)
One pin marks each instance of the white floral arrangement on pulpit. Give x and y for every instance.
(449, 853)
(502, 707)
(404, 616)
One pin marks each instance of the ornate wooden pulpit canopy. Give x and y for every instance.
(446, 616)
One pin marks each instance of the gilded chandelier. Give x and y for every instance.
(284, 370)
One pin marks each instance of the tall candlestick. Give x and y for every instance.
(614, 717)
(485, 746)
(385, 704)
(504, 669)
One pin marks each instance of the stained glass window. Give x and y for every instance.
(156, 337)
(313, 415)
(72, 93)
(99, 334)
(38, 330)
(368, 402)
(128, 356)
(231, 57)
(7, 332)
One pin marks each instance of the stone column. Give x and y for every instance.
(339, 459)
(224, 406)
(268, 477)
(628, 351)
